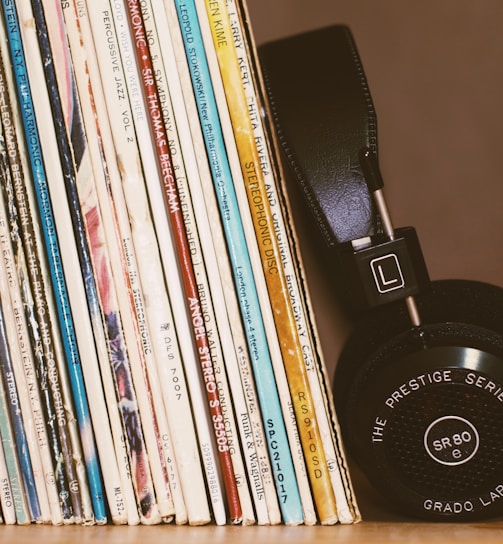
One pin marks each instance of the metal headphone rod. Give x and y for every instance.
(375, 184)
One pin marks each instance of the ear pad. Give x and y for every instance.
(421, 409)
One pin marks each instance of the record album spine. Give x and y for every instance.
(20, 371)
(242, 267)
(15, 474)
(68, 156)
(199, 179)
(126, 365)
(35, 245)
(13, 388)
(233, 75)
(347, 508)
(193, 300)
(93, 257)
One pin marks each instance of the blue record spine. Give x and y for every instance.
(51, 243)
(276, 435)
(22, 447)
(33, 290)
(68, 167)
(11, 446)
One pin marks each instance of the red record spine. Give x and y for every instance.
(176, 220)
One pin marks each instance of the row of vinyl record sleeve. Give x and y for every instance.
(159, 362)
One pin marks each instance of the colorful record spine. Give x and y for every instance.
(69, 155)
(200, 183)
(20, 370)
(139, 236)
(193, 301)
(242, 267)
(43, 333)
(253, 150)
(24, 312)
(16, 401)
(19, 498)
(6, 501)
(319, 379)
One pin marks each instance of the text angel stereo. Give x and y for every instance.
(419, 385)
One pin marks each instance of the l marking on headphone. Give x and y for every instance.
(387, 273)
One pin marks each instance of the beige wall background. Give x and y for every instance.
(435, 70)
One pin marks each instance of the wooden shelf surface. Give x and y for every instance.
(364, 532)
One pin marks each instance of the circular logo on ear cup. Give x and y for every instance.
(451, 440)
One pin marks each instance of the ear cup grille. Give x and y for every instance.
(460, 455)
(434, 449)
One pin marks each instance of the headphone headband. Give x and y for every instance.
(324, 117)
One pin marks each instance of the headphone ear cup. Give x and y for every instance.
(421, 408)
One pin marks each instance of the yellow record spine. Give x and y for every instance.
(271, 261)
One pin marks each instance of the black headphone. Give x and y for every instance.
(418, 387)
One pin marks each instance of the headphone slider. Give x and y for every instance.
(381, 270)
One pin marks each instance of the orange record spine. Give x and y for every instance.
(271, 261)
